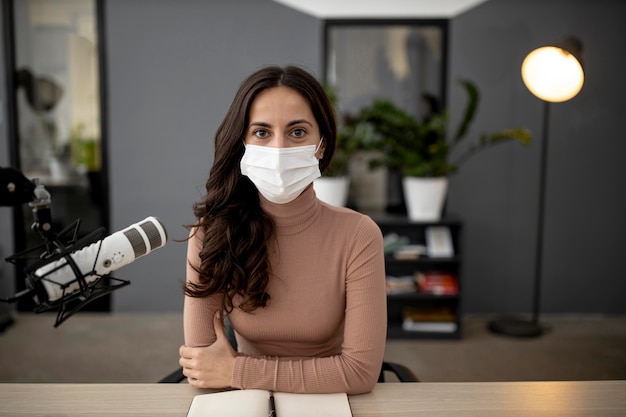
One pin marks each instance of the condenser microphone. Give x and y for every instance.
(61, 279)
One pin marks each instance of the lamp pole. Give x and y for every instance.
(532, 328)
(541, 218)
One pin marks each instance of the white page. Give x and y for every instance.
(312, 405)
(231, 404)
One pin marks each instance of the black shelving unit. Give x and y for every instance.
(398, 303)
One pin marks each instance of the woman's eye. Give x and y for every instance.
(260, 133)
(298, 133)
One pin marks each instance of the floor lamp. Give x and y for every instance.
(554, 74)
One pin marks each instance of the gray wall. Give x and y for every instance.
(173, 67)
(496, 193)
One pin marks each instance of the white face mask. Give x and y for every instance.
(280, 174)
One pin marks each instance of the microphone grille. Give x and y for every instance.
(146, 236)
(136, 241)
(153, 234)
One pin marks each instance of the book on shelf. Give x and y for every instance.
(392, 241)
(438, 283)
(409, 252)
(439, 242)
(440, 319)
(429, 314)
(254, 402)
(429, 326)
(400, 285)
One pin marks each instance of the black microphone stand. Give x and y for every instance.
(15, 190)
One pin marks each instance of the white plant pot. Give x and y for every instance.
(332, 190)
(368, 187)
(425, 197)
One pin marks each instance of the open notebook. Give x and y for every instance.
(253, 403)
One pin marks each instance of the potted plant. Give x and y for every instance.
(333, 186)
(422, 151)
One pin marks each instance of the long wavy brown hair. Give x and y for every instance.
(234, 255)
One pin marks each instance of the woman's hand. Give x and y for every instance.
(210, 366)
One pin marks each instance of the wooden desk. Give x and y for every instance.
(488, 399)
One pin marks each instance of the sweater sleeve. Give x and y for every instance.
(198, 312)
(355, 370)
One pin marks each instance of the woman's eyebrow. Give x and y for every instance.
(259, 124)
(299, 121)
(292, 123)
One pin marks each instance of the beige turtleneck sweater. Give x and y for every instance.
(325, 326)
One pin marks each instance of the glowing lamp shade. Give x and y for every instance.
(552, 74)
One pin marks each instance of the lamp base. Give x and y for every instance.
(516, 328)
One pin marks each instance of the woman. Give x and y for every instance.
(302, 282)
